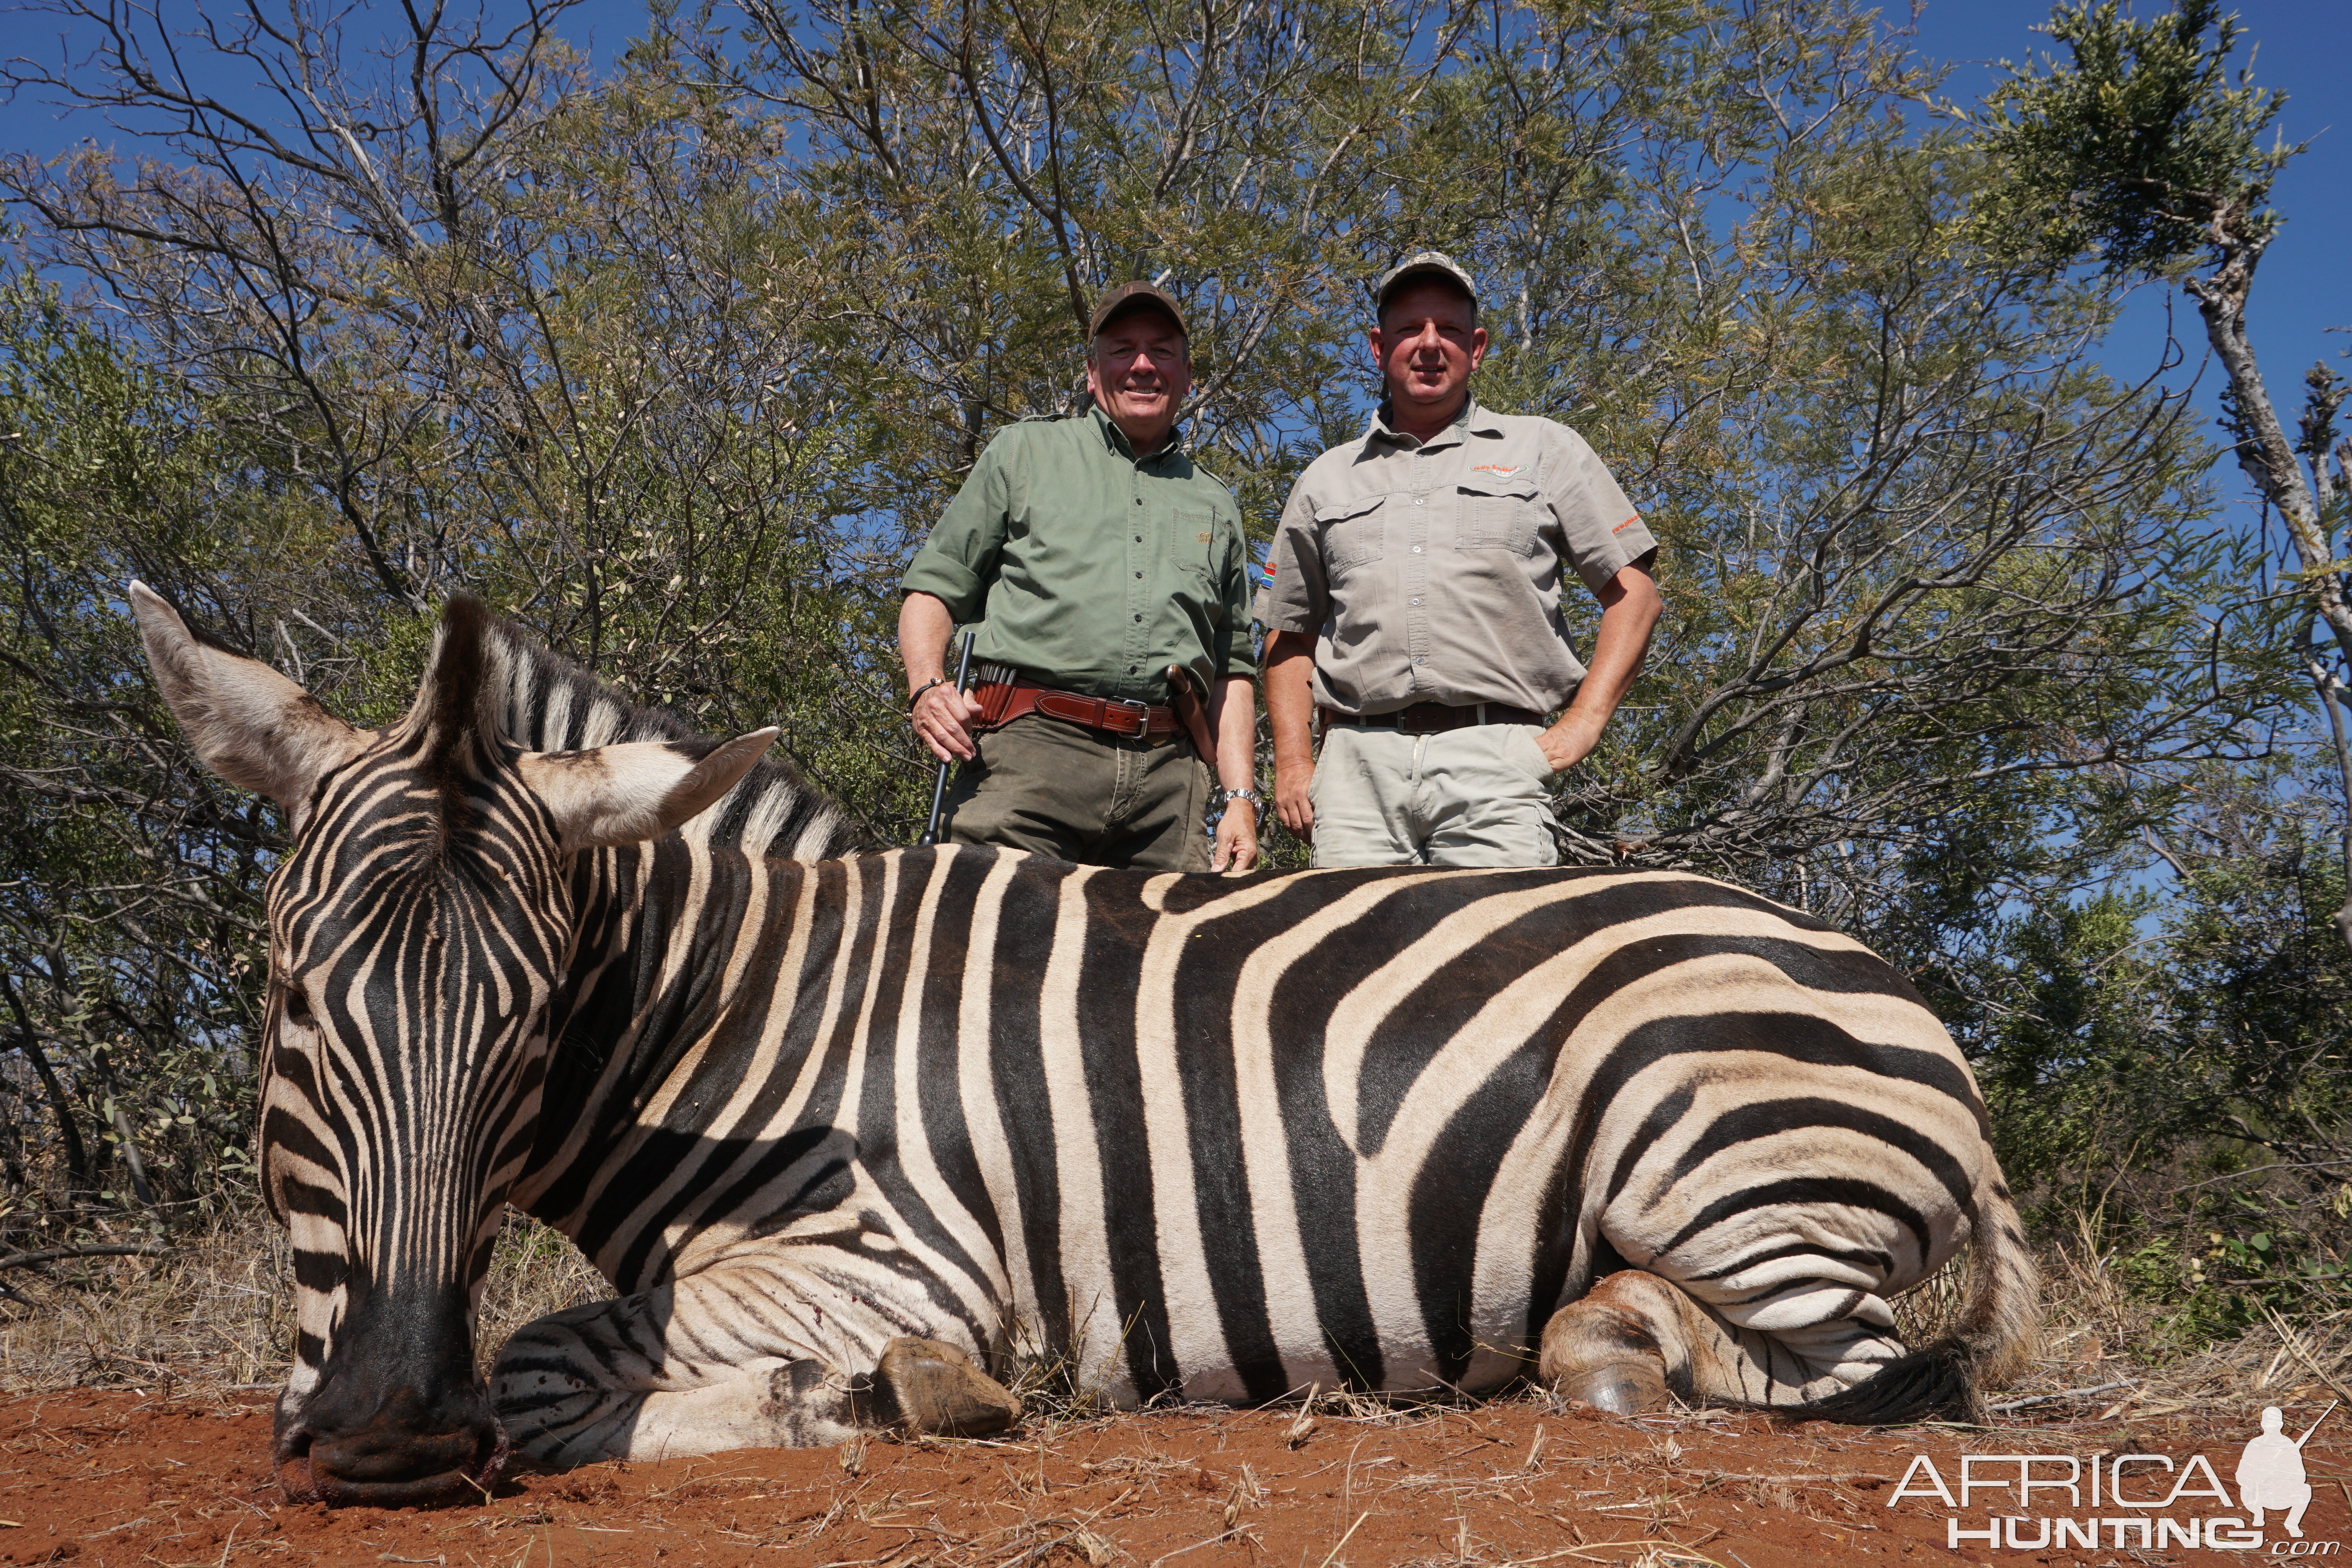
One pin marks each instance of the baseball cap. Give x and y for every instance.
(1133, 295)
(1422, 264)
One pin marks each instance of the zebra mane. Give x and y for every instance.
(485, 667)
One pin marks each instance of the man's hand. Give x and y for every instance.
(1629, 608)
(1232, 715)
(943, 718)
(1290, 801)
(1571, 741)
(1236, 849)
(1291, 712)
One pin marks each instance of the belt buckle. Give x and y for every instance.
(1139, 711)
(1411, 725)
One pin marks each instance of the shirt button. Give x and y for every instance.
(1416, 601)
(1138, 538)
(1139, 501)
(1418, 502)
(1421, 661)
(1139, 620)
(1416, 550)
(1139, 576)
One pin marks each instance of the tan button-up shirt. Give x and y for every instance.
(1430, 571)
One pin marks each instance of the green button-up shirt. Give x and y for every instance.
(1089, 568)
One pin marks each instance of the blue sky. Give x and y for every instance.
(2299, 293)
(2302, 48)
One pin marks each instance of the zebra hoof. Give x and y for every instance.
(1620, 1387)
(926, 1387)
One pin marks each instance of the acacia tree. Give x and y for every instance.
(2143, 153)
(677, 363)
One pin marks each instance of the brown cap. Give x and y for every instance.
(1424, 263)
(1126, 297)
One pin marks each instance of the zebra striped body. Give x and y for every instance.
(1184, 1136)
(1223, 1138)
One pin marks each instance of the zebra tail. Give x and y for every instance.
(1988, 1345)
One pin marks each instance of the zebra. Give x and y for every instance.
(853, 1132)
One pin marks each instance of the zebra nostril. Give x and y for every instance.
(292, 1464)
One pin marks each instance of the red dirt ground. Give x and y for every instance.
(114, 1477)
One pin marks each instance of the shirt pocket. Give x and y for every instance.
(1353, 532)
(1497, 515)
(1193, 547)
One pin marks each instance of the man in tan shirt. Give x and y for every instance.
(1414, 596)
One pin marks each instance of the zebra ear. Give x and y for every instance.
(637, 790)
(250, 724)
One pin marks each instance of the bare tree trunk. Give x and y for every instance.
(2275, 465)
(77, 1157)
(2266, 454)
(130, 1156)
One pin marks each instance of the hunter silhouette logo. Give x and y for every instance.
(2270, 1472)
(2151, 1501)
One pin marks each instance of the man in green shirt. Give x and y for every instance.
(1107, 575)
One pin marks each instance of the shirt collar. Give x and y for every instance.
(1472, 420)
(1116, 438)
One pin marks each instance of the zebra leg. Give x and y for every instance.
(1635, 1336)
(710, 1362)
(1623, 1346)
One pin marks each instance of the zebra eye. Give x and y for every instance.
(297, 1005)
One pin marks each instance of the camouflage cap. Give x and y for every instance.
(1138, 295)
(1422, 264)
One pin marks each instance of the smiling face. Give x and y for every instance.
(1140, 369)
(1426, 345)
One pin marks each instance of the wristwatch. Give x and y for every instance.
(1225, 797)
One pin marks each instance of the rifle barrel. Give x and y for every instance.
(2307, 1431)
(939, 783)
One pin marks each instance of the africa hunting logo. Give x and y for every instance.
(2157, 1504)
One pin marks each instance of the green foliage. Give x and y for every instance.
(2130, 150)
(129, 918)
(676, 363)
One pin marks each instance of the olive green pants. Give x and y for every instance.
(1077, 793)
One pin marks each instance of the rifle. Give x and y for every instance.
(939, 785)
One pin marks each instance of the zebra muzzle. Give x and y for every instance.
(387, 1461)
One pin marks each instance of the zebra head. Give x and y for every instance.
(417, 927)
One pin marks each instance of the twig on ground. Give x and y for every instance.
(107, 1249)
(2061, 1393)
(1196, 1546)
(1345, 1539)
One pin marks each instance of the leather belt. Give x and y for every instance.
(1431, 718)
(1001, 702)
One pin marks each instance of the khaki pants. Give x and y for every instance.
(1479, 795)
(1079, 794)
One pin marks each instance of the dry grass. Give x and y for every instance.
(2099, 1356)
(217, 1309)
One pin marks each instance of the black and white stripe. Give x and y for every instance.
(1187, 1137)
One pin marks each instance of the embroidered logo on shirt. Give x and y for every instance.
(1504, 471)
(1627, 523)
(1268, 568)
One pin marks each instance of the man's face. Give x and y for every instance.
(1139, 373)
(1426, 347)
